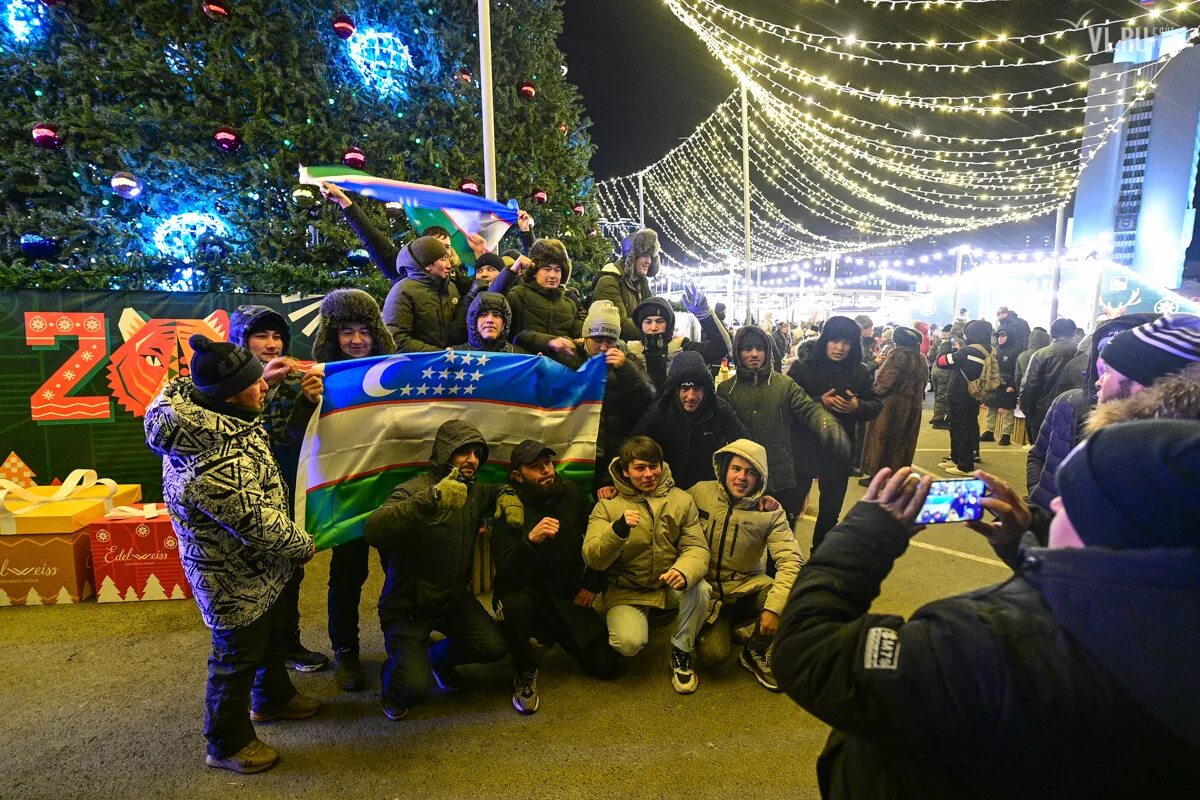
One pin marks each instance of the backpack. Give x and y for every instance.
(988, 381)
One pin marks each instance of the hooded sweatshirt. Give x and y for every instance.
(690, 440)
(228, 505)
(739, 535)
(668, 536)
(427, 551)
(423, 311)
(484, 302)
(817, 373)
(657, 352)
(770, 405)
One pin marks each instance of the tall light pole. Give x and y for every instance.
(485, 85)
(746, 195)
(1060, 238)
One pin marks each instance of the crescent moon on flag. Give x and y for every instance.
(373, 380)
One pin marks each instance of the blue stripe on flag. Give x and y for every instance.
(461, 375)
(410, 194)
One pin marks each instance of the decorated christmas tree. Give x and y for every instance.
(152, 143)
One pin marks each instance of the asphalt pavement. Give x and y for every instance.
(107, 701)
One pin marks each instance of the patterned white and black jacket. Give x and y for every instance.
(228, 505)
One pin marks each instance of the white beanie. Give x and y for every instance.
(602, 319)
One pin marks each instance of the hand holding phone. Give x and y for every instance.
(953, 501)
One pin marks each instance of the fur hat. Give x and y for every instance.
(906, 337)
(221, 370)
(1135, 485)
(548, 251)
(343, 306)
(603, 319)
(644, 243)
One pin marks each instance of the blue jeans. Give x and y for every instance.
(628, 628)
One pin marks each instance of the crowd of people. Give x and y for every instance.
(691, 513)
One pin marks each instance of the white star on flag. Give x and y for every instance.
(427, 374)
(405, 391)
(437, 390)
(468, 390)
(460, 376)
(476, 375)
(422, 389)
(466, 358)
(453, 390)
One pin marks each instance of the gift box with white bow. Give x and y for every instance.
(135, 555)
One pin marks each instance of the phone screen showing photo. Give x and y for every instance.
(953, 501)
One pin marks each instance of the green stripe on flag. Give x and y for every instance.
(347, 505)
(422, 218)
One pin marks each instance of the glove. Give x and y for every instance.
(451, 493)
(508, 507)
(695, 302)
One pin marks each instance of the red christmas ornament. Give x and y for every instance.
(343, 26)
(540, 197)
(227, 138)
(354, 158)
(578, 209)
(527, 90)
(469, 186)
(216, 9)
(464, 75)
(45, 135)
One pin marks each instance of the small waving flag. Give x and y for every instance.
(458, 212)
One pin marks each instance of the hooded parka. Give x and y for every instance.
(427, 551)
(688, 440)
(772, 406)
(228, 506)
(535, 308)
(657, 352)
(668, 536)
(739, 535)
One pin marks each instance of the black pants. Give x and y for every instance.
(246, 666)
(472, 637)
(964, 434)
(832, 495)
(288, 630)
(526, 614)
(348, 565)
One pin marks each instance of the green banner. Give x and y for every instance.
(80, 368)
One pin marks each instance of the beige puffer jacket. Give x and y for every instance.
(668, 535)
(738, 536)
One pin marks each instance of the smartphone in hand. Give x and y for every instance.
(953, 501)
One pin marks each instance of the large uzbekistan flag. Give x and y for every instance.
(376, 422)
(458, 212)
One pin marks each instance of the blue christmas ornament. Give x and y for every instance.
(35, 245)
(182, 235)
(25, 19)
(358, 259)
(382, 61)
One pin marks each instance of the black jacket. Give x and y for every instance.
(1006, 361)
(1064, 681)
(966, 364)
(1040, 387)
(426, 551)
(659, 351)
(423, 312)
(690, 440)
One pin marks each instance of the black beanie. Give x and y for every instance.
(1062, 329)
(221, 370)
(1135, 485)
(1151, 351)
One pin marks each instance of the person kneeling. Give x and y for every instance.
(738, 536)
(650, 541)
(542, 588)
(426, 533)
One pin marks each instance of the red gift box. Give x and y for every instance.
(43, 569)
(136, 556)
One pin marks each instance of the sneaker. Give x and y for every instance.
(987, 436)
(957, 471)
(348, 671)
(946, 462)
(301, 659)
(864, 481)
(391, 709)
(254, 757)
(301, 706)
(448, 677)
(978, 457)
(759, 664)
(940, 425)
(682, 677)
(1005, 440)
(525, 694)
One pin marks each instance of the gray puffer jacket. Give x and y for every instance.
(228, 506)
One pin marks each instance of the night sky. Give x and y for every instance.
(647, 80)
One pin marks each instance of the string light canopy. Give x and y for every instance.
(842, 165)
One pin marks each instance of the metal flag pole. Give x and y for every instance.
(485, 84)
(1060, 238)
(746, 195)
